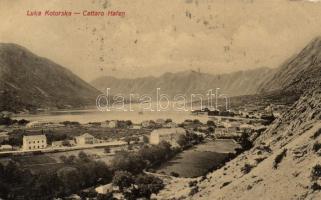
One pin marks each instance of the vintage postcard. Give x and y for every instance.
(160, 99)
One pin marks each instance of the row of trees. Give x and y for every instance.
(147, 156)
(5, 120)
(78, 173)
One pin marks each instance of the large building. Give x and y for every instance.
(85, 138)
(32, 142)
(169, 135)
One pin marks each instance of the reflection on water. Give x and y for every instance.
(93, 115)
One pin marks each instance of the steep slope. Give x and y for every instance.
(285, 161)
(299, 73)
(188, 82)
(28, 82)
(279, 166)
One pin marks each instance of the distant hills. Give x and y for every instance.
(29, 82)
(188, 82)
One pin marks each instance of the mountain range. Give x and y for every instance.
(188, 82)
(286, 82)
(29, 82)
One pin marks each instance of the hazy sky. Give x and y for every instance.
(158, 36)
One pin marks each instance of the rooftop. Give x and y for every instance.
(86, 135)
(34, 137)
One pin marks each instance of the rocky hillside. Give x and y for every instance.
(28, 81)
(299, 73)
(285, 162)
(188, 82)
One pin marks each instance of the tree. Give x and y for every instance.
(131, 162)
(108, 196)
(145, 139)
(70, 179)
(84, 157)
(68, 160)
(210, 123)
(107, 149)
(129, 123)
(46, 186)
(210, 129)
(123, 179)
(147, 185)
(196, 121)
(182, 140)
(128, 139)
(23, 122)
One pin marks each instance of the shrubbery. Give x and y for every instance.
(80, 172)
(279, 158)
(317, 134)
(316, 146)
(316, 172)
(247, 168)
(193, 191)
(175, 174)
(140, 186)
(189, 139)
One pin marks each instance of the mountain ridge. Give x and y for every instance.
(187, 82)
(29, 82)
(284, 159)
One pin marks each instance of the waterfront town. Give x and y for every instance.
(224, 124)
(167, 148)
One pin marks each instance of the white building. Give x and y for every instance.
(6, 147)
(148, 124)
(4, 136)
(61, 143)
(104, 189)
(84, 139)
(170, 125)
(113, 124)
(136, 126)
(169, 135)
(160, 121)
(32, 142)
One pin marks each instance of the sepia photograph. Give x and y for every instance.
(160, 99)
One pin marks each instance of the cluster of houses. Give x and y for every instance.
(35, 142)
(159, 123)
(161, 130)
(43, 124)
